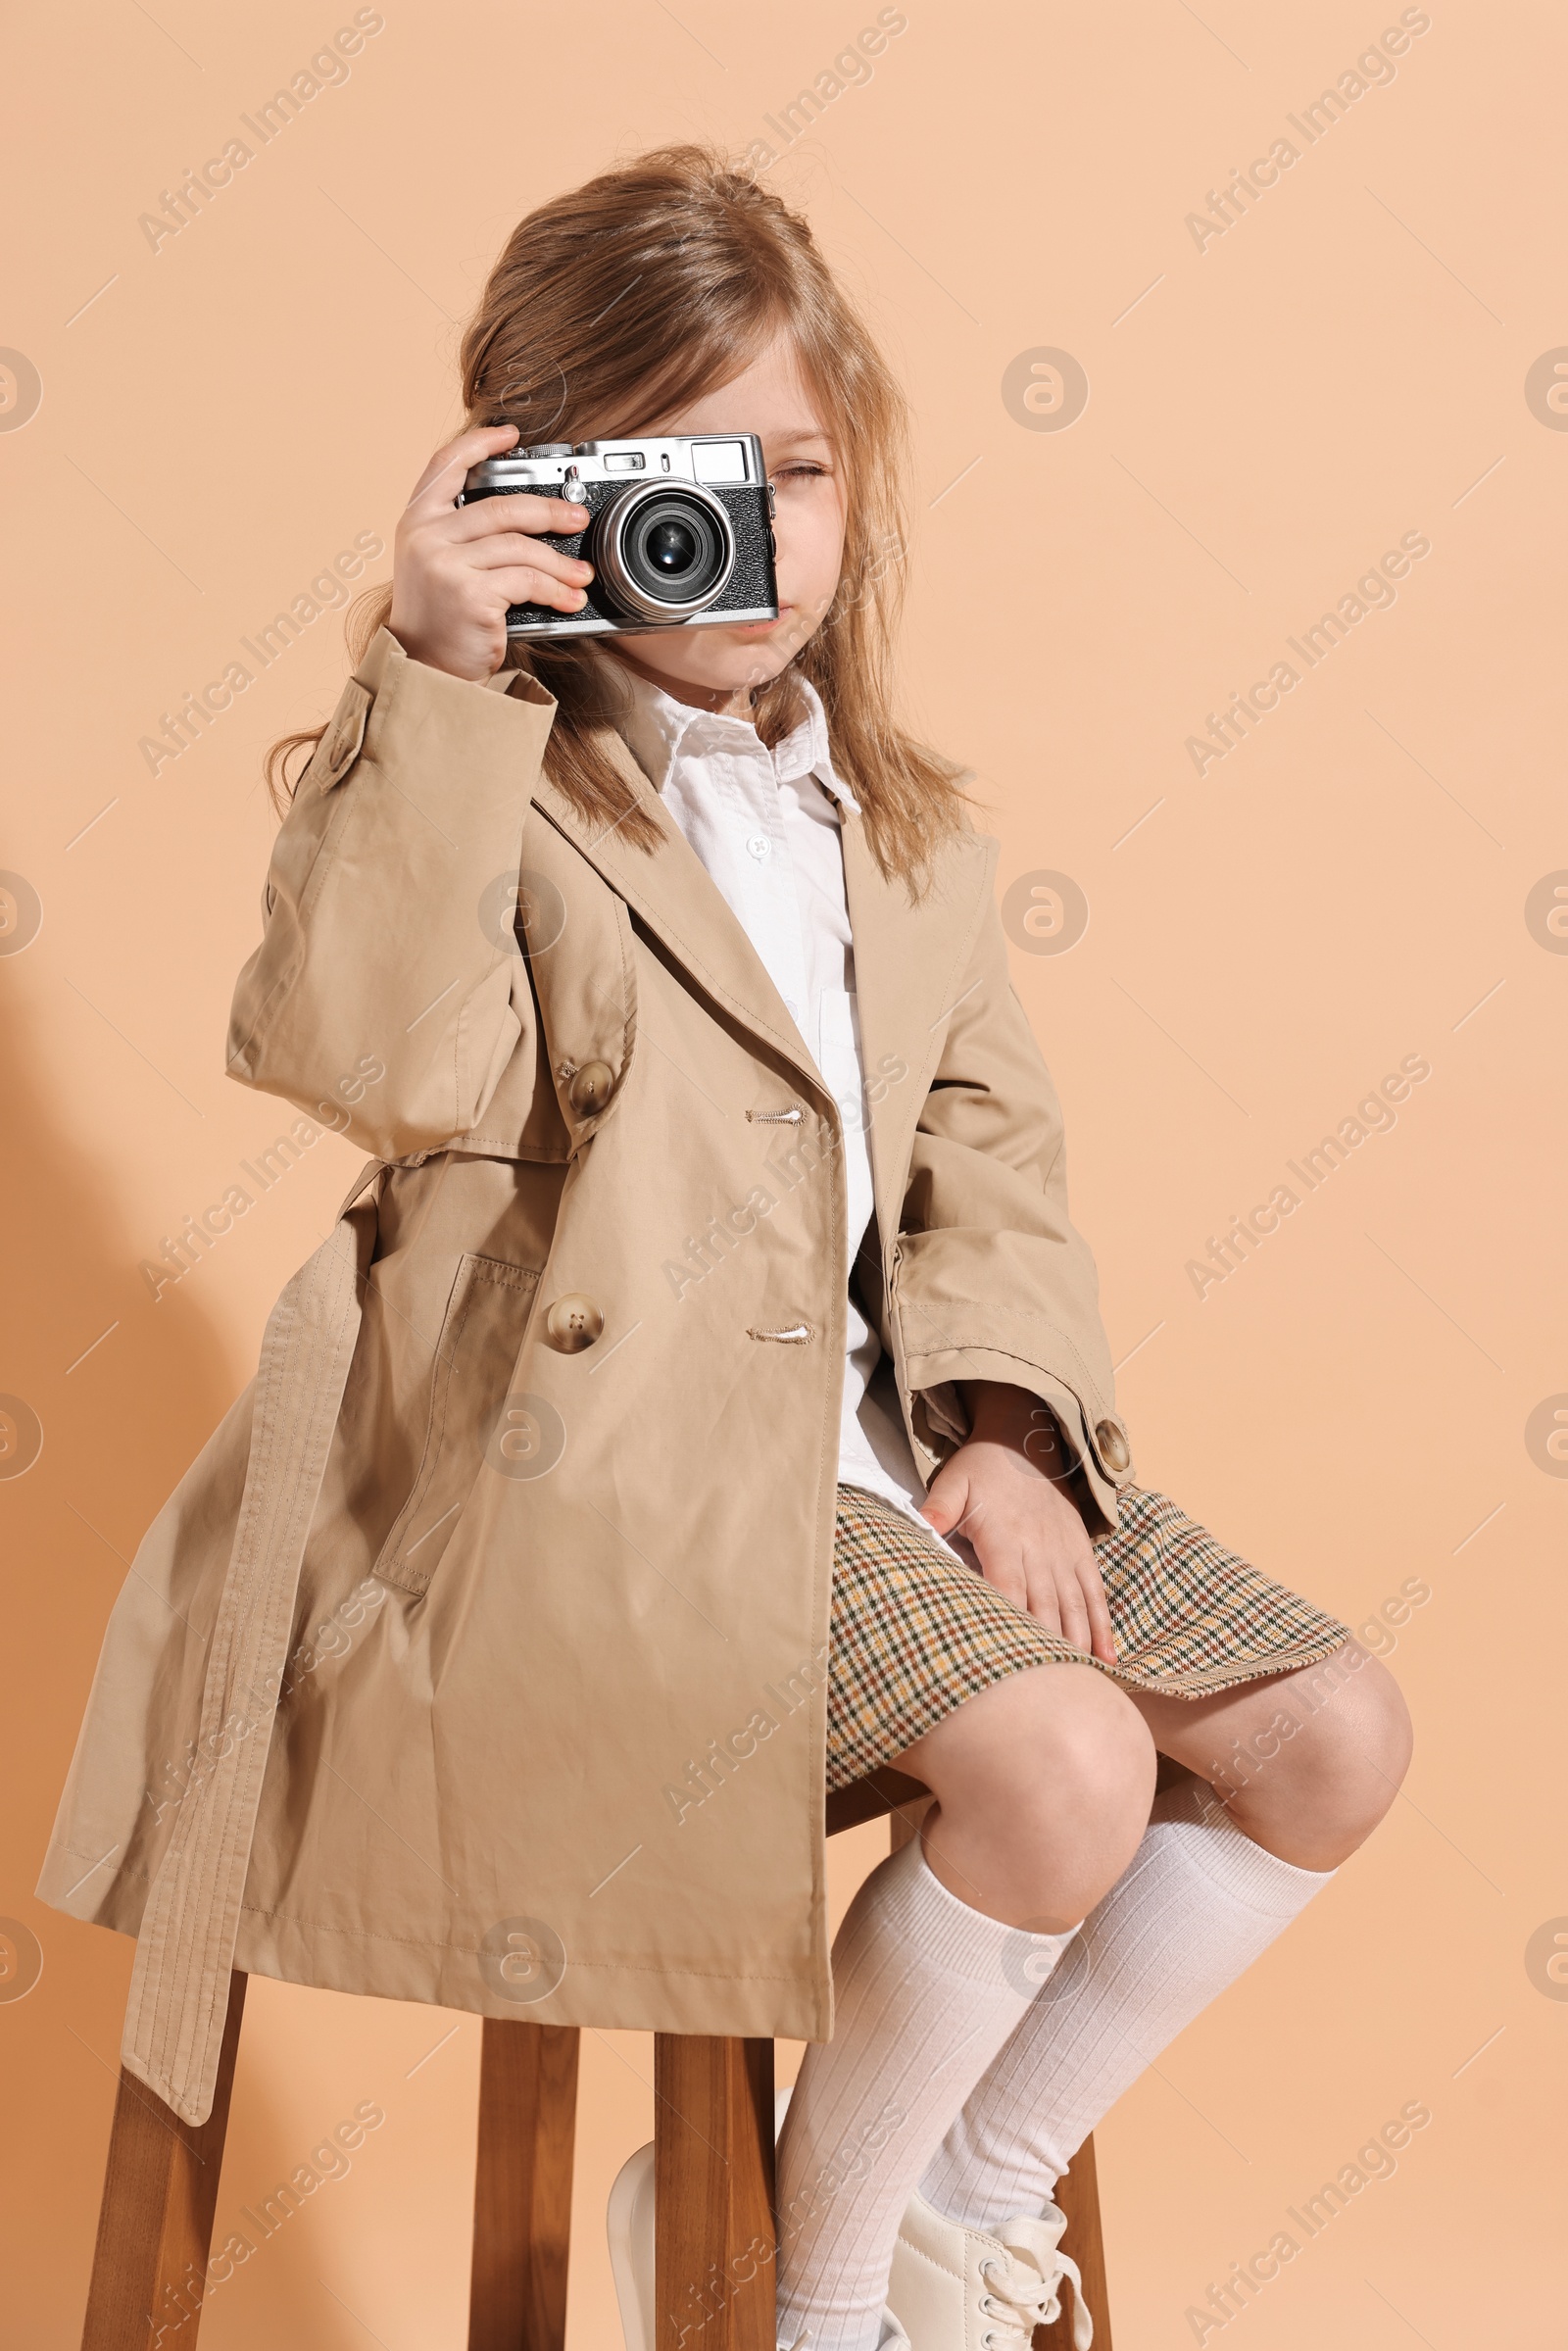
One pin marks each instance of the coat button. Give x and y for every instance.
(573, 1323)
(341, 746)
(591, 1088)
(1113, 1445)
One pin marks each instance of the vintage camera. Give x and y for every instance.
(680, 532)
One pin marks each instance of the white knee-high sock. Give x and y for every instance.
(1197, 1903)
(925, 1992)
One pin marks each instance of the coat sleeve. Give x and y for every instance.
(381, 992)
(992, 1280)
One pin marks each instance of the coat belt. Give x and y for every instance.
(186, 1950)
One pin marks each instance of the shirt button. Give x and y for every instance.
(759, 845)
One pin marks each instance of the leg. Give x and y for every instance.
(1077, 2191)
(1043, 1784)
(1306, 1763)
(522, 2186)
(1197, 1905)
(714, 2257)
(155, 2226)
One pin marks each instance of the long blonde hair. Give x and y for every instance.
(678, 256)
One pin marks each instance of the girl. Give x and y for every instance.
(701, 1401)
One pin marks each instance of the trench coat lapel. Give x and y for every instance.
(672, 891)
(908, 955)
(910, 961)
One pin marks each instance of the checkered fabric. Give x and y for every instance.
(914, 1632)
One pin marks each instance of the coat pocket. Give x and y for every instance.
(481, 1337)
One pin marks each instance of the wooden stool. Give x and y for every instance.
(714, 2183)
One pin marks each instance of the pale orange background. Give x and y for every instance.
(1339, 369)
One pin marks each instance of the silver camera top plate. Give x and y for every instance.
(726, 459)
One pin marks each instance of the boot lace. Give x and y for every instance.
(1023, 2286)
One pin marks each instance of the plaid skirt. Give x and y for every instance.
(914, 1632)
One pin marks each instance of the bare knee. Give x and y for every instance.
(1368, 1742)
(1057, 1736)
(1347, 1753)
(1058, 1765)
(1090, 1752)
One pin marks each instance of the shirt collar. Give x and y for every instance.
(656, 730)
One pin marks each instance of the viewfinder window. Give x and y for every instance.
(719, 461)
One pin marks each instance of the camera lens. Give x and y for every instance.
(663, 552)
(671, 548)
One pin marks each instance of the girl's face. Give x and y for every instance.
(716, 667)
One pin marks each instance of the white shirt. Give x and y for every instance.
(765, 824)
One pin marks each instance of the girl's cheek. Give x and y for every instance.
(810, 557)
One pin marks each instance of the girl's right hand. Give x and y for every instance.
(455, 570)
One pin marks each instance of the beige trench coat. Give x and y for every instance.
(478, 1659)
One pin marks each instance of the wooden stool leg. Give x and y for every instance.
(522, 2187)
(715, 2245)
(155, 2224)
(1078, 2194)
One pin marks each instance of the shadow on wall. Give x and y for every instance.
(119, 1425)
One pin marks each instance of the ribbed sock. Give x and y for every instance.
(926, 1991)
(1196, 1904)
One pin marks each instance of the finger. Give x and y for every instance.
(1002, 1566)
(451, 463)
(1043, 1603)
(946, 1500)
(528, 584)
(1102, 1643)
(516, 511)
(1072, 1610)
(512, 547)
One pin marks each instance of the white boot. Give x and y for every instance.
(973, 2289)
(629, 2226)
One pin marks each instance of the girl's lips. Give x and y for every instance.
(760, 629)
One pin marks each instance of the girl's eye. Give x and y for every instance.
(801, 473)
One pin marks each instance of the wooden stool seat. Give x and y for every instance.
(716, 2243)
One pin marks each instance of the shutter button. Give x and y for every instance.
(591, 1088)
(573, 1323)
(1113, 1445)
